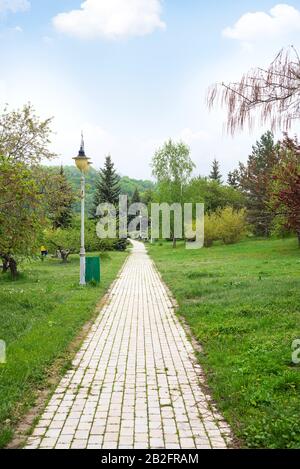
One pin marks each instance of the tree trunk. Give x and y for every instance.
(174, 242)
(9, 263)
(5, 265)
(64, 255)
(13, 268)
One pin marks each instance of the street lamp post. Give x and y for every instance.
(82, 163)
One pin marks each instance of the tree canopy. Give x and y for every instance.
(107, 189)
(24, 140)
(215, 174)
(24, 136)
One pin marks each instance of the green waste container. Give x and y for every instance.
(92, 269)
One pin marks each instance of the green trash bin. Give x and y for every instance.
(92, 269)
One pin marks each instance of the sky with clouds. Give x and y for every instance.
(132, 73)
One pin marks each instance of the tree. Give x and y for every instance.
(255, 178)
(60, 199)
(271, 94)
(233, 179)
(286, 186)
(20, 213)
(63, 241)
(107, 186)
(24, 137)
(148, 197)
(136, 199)
(172, 167)
(215, 174)
(214, 195)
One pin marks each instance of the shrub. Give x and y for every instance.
(227, 225)
(211, 231)
(232, 225)
(67, 241)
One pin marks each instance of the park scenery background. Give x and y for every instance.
(239, 296)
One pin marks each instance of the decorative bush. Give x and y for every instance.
(232, 225)
(227, 225)
(211, 229)
(67, 241)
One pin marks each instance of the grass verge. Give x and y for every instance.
(41, 313)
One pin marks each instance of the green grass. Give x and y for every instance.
(40, 314)
(242, 303)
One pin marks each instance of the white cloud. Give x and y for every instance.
(111, 19)
(282, 19)
(13, 6)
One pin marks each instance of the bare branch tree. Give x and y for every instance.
(271, 95)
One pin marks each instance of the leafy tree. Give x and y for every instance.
(20, 213)
(215, 174)
(286, 185)
(107, 186)
(24, 140)
(24, 137)
(148, 197)
(67, 241)
(172, 167)
(254, 180)
(62, 241)
(213, 195)
(128, 185)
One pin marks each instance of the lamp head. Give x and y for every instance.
(82, 162)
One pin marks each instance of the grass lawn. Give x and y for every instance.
(242, 303)
(40, 314)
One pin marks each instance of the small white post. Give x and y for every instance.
(141, 229)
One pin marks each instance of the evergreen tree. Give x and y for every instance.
(60, 200)
(255, 179)
(136, 199)
(107, 186)
(233, 179)
(215, 174)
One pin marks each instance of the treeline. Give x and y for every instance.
(260, 197)
(127, 185)
(39, 204)
(270, 183)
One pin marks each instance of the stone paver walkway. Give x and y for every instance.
(135, 382)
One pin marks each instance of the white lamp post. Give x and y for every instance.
(82, 163)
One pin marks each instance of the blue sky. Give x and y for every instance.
(132, 73)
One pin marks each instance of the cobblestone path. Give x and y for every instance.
(135, 382)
